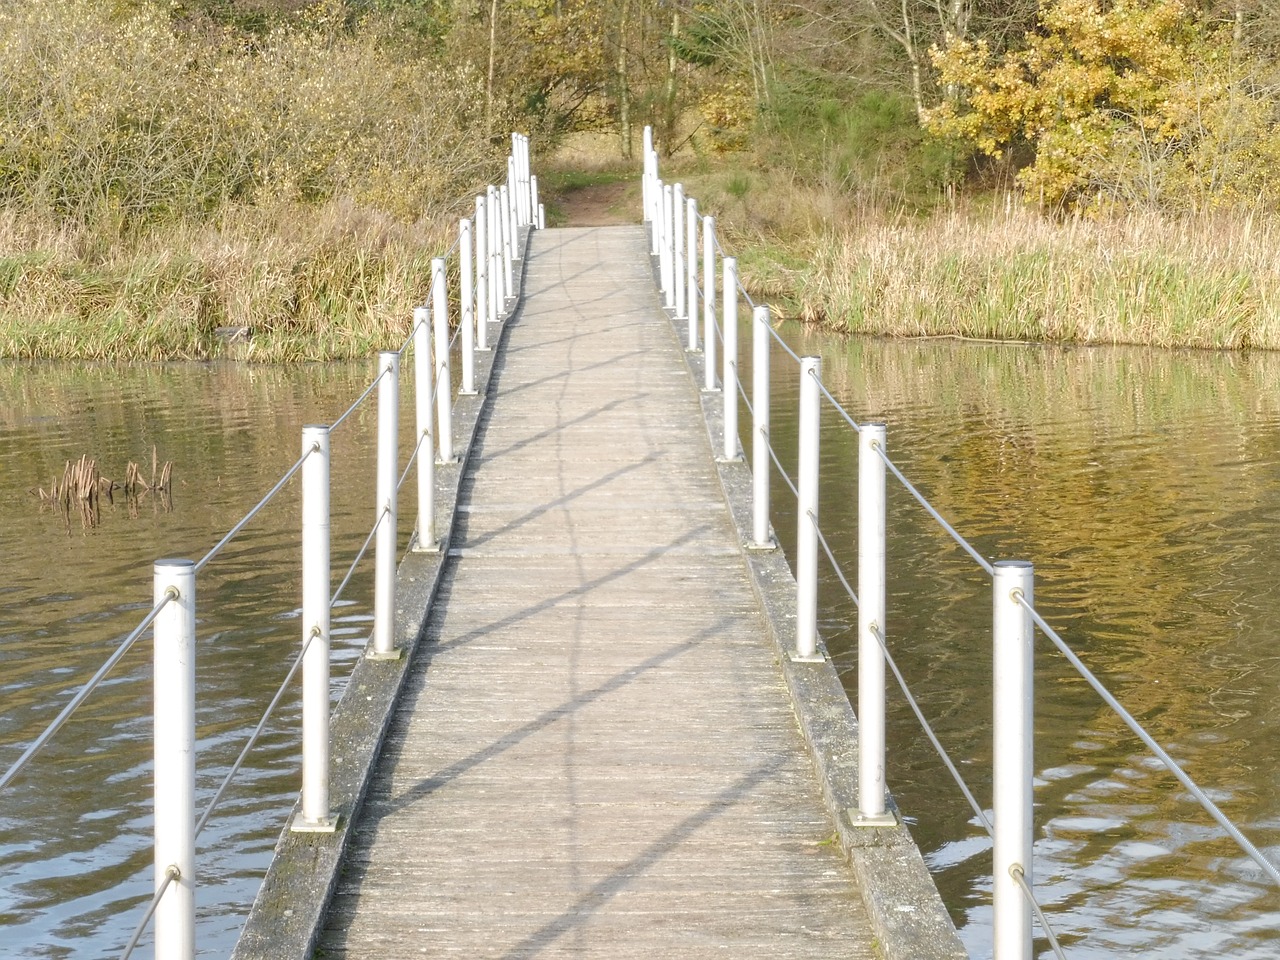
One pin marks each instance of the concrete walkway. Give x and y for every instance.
(595, 754)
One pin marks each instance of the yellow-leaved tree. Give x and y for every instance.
(1120, 103)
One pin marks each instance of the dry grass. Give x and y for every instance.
(309, 283)
(1010, 274)
(157, 184)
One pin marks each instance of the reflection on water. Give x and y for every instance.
(1145, 487)
(75, 829)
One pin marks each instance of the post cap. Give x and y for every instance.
(173, 563)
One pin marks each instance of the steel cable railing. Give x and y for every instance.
(907, 484)
(932, 511)
(773, 455)
(1020, 878)
(359, 400)
(255, 735)
(337, 594)
(171, 874)
(1161, 754)
(1209, 806)
(746, 400)
(253, 512)
(910, 697)
(413, 327)
(83, 694)
(188, 570)
(913, 702)
(1017, 871)
(932, 735)
(786, 347)
(128, 643)
(261, 726)
(413, 458)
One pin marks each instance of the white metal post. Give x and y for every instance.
(655, 226)
(440, 371)
(1013, 768)
(807, 511)
(542, 217)
(526, 167)
(677, 236)
(513, 186)
(522, 179)
(729, 379)
(515, 175)
(384, 563)
(482, 274)
(424, 423)
(495, 264)
(666, 263)
(508, 245)
(175, 757)
(534, 205)
(871, 624)
(315, 814)
(467, 319)
(513, 212)
(647, 179)
(691, 221)
(709, 303)
(760, 325)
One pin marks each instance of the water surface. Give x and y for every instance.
(1144, 485)
(76, 829)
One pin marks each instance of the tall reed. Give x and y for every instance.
(1212, 281)
(158, 182)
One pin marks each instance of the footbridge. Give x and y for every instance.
(604, 742)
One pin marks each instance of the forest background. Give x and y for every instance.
(1075, 170)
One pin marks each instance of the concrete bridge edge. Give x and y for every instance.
(906, 909)
(288, 913)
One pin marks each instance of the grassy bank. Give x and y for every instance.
(161, 179)
(1014, 275)
(165, 176)
(306, 283)
(829, 227)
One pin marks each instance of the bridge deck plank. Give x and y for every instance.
(595, 754)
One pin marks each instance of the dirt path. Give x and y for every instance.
(599, 205)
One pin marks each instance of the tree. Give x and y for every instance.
(1120, 102)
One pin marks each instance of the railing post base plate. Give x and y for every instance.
(768, 545)
(857, 819)
(418, 547)
(301, 825)
(806, 657)
(395, 654)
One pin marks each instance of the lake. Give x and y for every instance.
(1145, 486)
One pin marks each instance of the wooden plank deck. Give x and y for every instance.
(595, 754)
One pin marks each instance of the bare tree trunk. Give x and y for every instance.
(955, 21)
(669, 105)
(907, 39)
(624, 80)
(488, 86)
